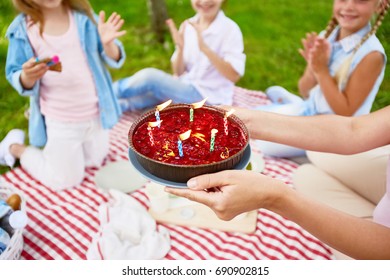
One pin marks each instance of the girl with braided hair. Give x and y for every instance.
(345, 68)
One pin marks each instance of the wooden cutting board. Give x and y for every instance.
(198, 215)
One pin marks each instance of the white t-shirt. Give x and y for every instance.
(224, 37)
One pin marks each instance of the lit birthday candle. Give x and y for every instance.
(182, 137)
(161, 107)
(194, 106)
(212, 140)
(225, 123)
(150, 133)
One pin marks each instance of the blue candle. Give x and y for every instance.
(180, 147)
(157, 114)
(182, 137)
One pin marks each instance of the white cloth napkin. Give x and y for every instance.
(127, 232)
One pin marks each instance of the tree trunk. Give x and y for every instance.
(158, 15)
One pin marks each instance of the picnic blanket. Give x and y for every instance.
(62, 224)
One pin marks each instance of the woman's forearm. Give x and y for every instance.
(326, 133)
(355, 237)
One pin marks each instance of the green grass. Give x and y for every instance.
(272, 34)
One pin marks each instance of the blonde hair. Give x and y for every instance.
(342, 73)
(33, 10)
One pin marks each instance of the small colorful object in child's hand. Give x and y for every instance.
(54, 63)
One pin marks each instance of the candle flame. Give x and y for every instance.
(163, 105)
(185, 135)
(199, 136)
(169, 154)
(227, 114)
(154, 124)
(199, 104)
(214, 131)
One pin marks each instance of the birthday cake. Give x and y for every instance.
(183, 144)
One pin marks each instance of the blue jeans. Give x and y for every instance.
(150, 87)
(291, 105)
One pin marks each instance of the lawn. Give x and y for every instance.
(272, 34)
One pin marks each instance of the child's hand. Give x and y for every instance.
(32, 72)
(308, 44)
(201, 43)
(319, 56)
(110, 29)
(177, 35)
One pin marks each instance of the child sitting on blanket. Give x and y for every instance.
(345, 67)
(207, 62)
(70, 110)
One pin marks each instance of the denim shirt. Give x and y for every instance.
(316, 103)
(20, 50)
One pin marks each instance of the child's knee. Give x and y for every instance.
(148, 74)
(61, 181)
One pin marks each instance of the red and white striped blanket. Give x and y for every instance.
(62, 224)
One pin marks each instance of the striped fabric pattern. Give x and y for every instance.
(62, 224)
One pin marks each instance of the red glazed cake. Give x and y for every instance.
(157, 148)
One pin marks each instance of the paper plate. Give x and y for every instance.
(120, 175)
(257, 163)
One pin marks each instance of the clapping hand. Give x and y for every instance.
(319, 55)
(177, 35)
(201, 43)
(110, 29)
(308, 44)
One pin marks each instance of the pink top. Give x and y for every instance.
(69, 95)
(382, 210)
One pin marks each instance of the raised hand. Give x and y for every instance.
(177, 35)
(32, 72)
(319, 55)
(308, 44)
(201, 43)
(110, 29)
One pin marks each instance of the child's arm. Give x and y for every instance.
(109, 31)
(307, 80)
(177, 62)
(223, 67)
(359, 84)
